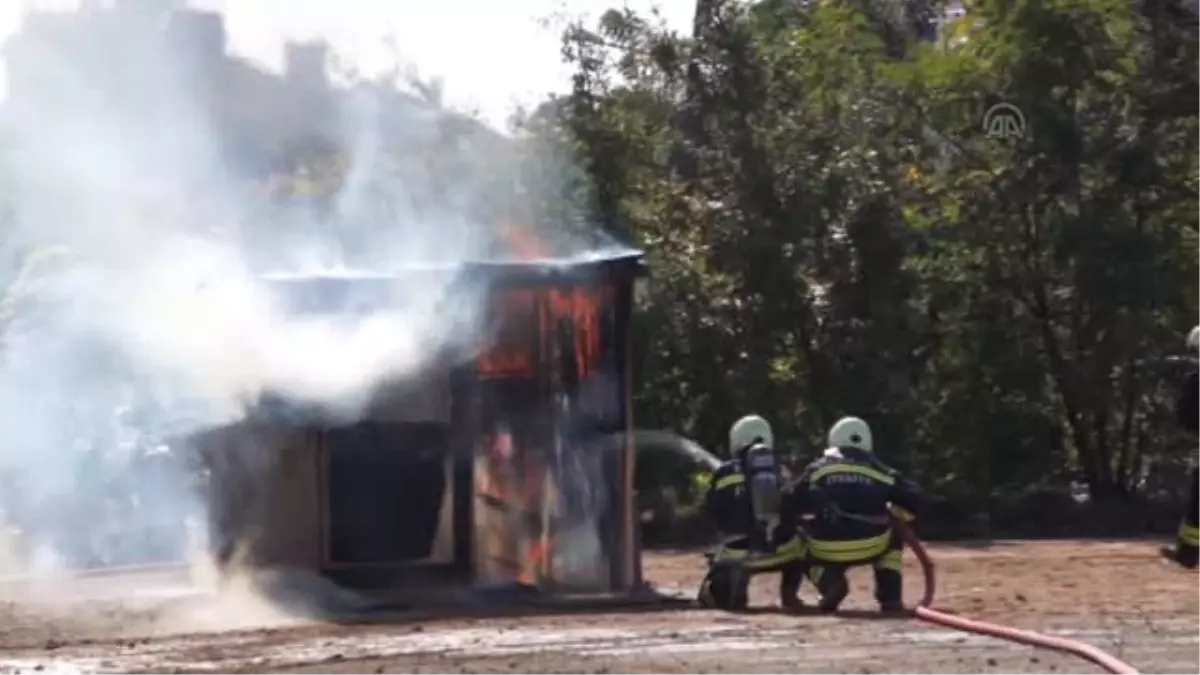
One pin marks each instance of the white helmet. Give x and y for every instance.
(850, 432)
(749, 430)
(1193, 339)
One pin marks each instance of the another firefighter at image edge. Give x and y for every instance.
(845, 500)
(1187, 407)
(746, 502)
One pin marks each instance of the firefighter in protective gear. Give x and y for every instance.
(846, 498)
(1187, 407)
(746, 502)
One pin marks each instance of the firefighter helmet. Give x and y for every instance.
(749, 430)
(850, 432)
(1193, 338)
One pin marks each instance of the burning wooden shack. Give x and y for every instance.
(509, 463)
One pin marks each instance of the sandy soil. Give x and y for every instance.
(1115, 595)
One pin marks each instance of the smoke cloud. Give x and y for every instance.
(137, 253)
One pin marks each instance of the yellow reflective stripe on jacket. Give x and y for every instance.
(892, 560)
(855, 550)
(1189, 534)
(791, 550)
(833, 469)
(901, 513)
(729, 481)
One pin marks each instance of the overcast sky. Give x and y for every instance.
(491, 53)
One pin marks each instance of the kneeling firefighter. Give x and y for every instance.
(746, 502)
(847, 497)
(1187, 407)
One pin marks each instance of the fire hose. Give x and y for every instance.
(925, 612)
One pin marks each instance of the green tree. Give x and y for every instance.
(831, 231)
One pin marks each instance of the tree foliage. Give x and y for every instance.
(832, 232)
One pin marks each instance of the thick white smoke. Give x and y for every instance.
(141, 310)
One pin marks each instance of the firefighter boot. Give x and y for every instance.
(725, 587)
(889, 590)
(1181, 554)
(1187, 540)
(830, 581)
(1187, 555)
(790, 578)
(889, 581)
(1185, 550)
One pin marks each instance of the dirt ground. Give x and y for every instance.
(1114, 595)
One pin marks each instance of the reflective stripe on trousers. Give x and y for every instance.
(849, 552)
(892, 560)
(790, 551)
(1189, 535)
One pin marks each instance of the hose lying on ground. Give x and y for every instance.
(926, 613)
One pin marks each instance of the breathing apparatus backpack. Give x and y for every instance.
(764, 482)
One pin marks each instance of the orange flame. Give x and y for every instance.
(514, 482)
(525, 243)
(583, 307)
(512, 353)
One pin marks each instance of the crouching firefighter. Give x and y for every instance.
(846, 498)
(1187, 407)
(746, 502)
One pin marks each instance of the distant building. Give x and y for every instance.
(290, 140)
(111, 55)
(305, 65)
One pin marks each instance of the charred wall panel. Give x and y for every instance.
(502, 407)
(548, 404)
(387, 487)
(290, 536)
(262, 494)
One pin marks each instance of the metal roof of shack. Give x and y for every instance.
(623, 262)
(340, 290)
